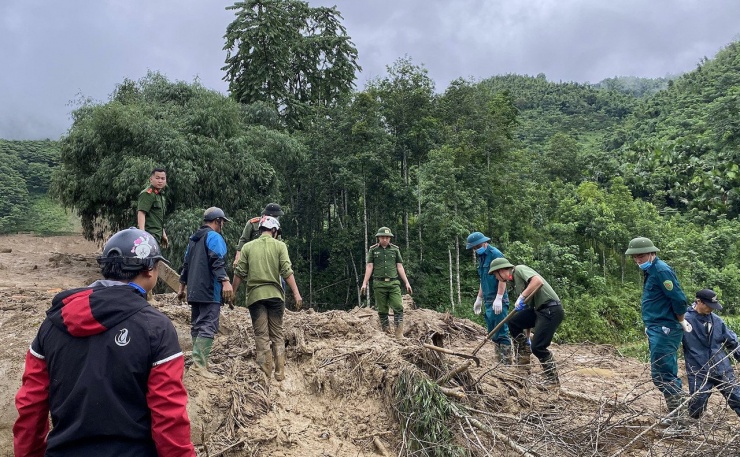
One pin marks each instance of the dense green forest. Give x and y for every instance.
(560, 175)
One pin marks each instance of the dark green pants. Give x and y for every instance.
(388, 296)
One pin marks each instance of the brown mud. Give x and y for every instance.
(343, 394)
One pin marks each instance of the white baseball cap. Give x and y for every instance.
(269, 222)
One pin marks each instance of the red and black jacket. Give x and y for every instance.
(109, 369)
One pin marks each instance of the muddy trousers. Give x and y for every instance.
(544, 322)
(267, 322)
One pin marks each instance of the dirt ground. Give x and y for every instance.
(351, 390)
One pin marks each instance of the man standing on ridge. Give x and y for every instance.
(151, 207)
(252, 228)
(385, 265)
(208, 285)
(107, 366)
(663, 308)
(264, 265)
(538, 307)
(491, 293)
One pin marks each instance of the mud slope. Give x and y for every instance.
(351, 390)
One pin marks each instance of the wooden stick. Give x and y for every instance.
(453, 372)
(495, 329)
(500, 436)
(378, 444)
(456, 392)
(447, 351)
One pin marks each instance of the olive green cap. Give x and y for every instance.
(499, 264)
(384, 231)
(640, 245)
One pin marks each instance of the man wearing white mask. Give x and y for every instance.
(492, 294)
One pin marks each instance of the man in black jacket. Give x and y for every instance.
(208, 285)
(107, 366)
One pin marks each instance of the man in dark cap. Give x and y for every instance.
(252, 227)
(208, 285)
(707, 350)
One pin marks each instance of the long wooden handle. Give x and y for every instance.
(495, 329)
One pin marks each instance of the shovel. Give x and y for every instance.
(495, 329)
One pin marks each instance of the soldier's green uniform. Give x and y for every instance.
(251, 232)
(152, 202)
(386, 284)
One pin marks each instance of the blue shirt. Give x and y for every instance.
(489, 283)
(662, 297)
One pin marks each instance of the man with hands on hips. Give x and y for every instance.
(491, 294)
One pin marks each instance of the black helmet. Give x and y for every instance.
(214, 213)
(273, 209)
(132, 249)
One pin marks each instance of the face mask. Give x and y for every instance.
(480, 250)
(646, 265)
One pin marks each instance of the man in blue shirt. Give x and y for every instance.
(208, 285)
(663, 307)
(707, 351)
(491, 293)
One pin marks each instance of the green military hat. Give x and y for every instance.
(384, 231)
(498, 264)
(640, 245)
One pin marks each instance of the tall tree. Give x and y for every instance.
(289, 54)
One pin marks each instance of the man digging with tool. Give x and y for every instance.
(385, 265)
(537, 307)
(492, 294)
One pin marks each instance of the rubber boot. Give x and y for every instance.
(523, 352)
(398, 320)
(504, 353)
(201, 352)
(550, 372)
(679, 421)
(279, 355)
(384, 326)
(264, 361)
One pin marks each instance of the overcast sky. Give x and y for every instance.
(55, 52)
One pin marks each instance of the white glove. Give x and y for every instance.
(498, 305)
(686, 326)
(477, 305)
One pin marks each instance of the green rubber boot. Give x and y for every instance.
(201, 352)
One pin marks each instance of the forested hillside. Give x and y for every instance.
(26, 168)
(560, 175)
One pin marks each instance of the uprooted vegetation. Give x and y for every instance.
(351, 390)
(354, 390)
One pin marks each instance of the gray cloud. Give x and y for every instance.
(55, 52)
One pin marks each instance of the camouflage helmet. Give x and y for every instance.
(132, 249)
(384, 231)
(499, 264)
(640, 245)
(273, 209)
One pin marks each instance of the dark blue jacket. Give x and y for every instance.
(704, 347)
(489, 283)
(205, 266)
(662, 297)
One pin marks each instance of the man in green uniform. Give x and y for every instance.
(385, 265)
(537, 307)
(264, 264)
(150, 207)
(252, 228)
